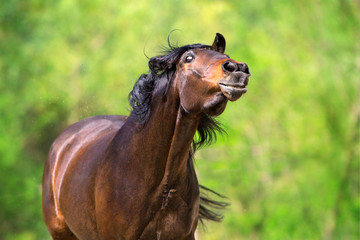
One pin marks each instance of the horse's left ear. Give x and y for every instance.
(219, 43)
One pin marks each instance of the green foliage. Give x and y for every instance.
(290, 163)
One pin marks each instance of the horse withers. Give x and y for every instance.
(118, 177)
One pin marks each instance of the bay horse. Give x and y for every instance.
(118, 177)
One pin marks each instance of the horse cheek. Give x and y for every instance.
(190, 100)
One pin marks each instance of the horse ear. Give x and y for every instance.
(219, 43)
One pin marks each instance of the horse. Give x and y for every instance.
(132, 177)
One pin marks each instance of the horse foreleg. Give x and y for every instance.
(53, 217)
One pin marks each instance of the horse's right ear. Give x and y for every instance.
(219, 43)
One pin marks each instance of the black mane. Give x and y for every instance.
(160, 74)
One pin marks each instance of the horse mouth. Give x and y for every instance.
(232, 91)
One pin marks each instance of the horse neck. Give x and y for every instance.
(176, 162)
(166, 139)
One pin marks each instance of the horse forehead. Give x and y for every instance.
(210, 55)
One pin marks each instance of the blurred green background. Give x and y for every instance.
(290, 163)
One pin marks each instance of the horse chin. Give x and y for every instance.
(215, 106)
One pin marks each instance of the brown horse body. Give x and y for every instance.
(117, 177)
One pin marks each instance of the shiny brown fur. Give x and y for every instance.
(118, 177)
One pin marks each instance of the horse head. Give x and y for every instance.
(207, 78)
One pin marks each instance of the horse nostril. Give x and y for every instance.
(244, 68)
(230, 66)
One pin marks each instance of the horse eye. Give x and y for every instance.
(189, 59)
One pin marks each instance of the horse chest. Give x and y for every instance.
(176, 219)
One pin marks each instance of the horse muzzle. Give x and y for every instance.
(233, 86)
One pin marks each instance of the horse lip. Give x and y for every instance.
(233, 85)
(232, 91)
(240, 74)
